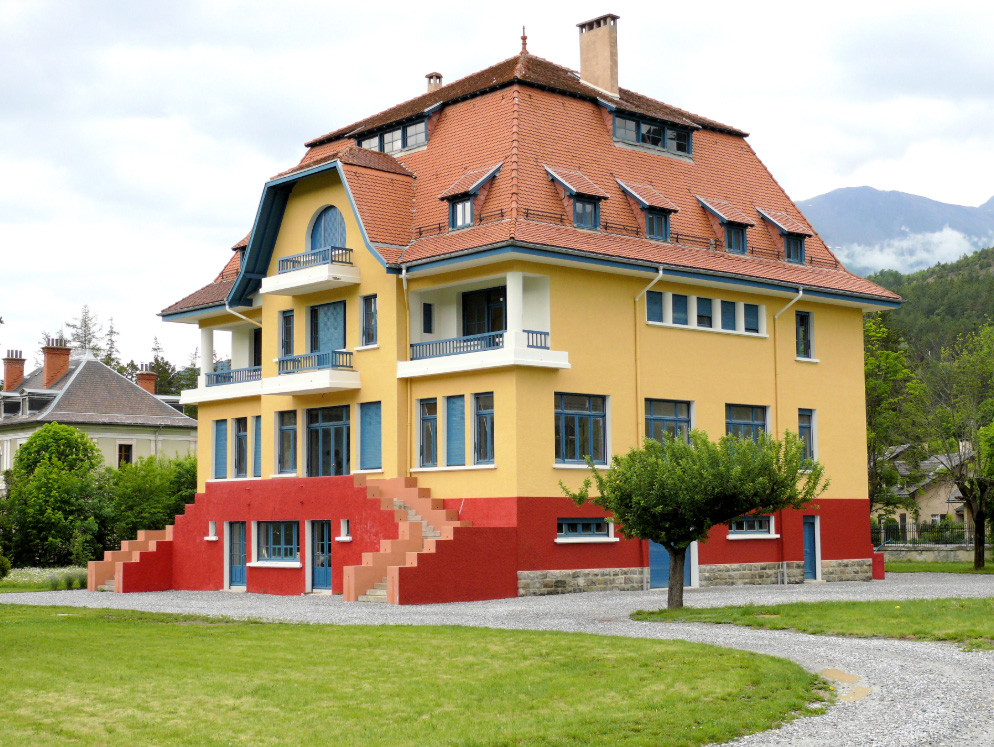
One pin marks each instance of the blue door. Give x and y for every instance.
(328, 327)
(321, 554)
(659, 567)
(236, 553)
(810, 570)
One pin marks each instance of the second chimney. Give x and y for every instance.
(13, 370)
(146, 378)
(434, 81)
(56, 363)
(599, 53)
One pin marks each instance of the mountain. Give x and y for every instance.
(871, 230)
(941, 302)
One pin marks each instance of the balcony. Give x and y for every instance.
(223, 385)
(491, 350)
(318, 270)
(313, 373)
(236, 376)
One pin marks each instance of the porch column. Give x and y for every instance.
(206, 355)
(514, 337)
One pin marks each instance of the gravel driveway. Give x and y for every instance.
(904, 692)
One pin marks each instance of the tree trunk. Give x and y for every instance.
(979, 534)
(678, 557)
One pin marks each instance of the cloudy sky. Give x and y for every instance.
(135, 137)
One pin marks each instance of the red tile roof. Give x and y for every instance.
(784, 222)
(647, 195)
(468, 182)
(576, 183)
(726, 211)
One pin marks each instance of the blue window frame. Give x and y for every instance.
(657, 224)
(369, 320)
(745, 421)
(429, 432)
(654, 306)
(728, 315)
(455, 430)
(484, 453)
(241, 446)
(793, 248)
(586, 213)
(256, 446)
(679, 308)
(286, 333)
(370, 436)
(278, 540)
(653, 133)
(328, 230)
(416, 134)
(735, 238)
(582, 528)
(750, 312)
(802, 321)
(581, 427)
(461, 213)
(805, 424)
(220, 449)
(427, 318)
(750, 525)
(704, 312)
(678, 140)
(396, 138)
(664, 416)
(626, 129)
(287, 437)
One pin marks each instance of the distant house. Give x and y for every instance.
(936, 496)
(126, 420)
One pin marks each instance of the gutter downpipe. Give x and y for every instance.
(407, 346)
(776, 396)
(638, 347)
(240, 316)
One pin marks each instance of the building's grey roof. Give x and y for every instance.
(93, 393)
(931, 468)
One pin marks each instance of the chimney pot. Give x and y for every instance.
(146, 378)
(434, 81)
(13, 370)
(599, 53)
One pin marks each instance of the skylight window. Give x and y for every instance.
(653, 134)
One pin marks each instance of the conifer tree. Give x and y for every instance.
(85, 331)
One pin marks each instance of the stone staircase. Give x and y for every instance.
(104, 575)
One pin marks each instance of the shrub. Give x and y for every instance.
(81, 579)
(54, 582)
(4, 566)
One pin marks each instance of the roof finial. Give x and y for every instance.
(524, 41)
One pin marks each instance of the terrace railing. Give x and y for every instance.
(330, 255)
(457, 345)
(536, 339)
(922, 533)
(315, 361)
(234, 376)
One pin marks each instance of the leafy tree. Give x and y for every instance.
(957, 417)
(85, 332)
(674, 493)
(893, 396)
(150, 493)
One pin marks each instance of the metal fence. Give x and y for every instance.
(922, 533)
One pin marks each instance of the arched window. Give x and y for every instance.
(328, 230)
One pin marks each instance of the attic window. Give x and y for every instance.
(461, 213)
(586, 212)
(735, 238)
(793, 248)
(397, 138)
(657, 224)
(653, 134)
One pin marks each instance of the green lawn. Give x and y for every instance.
(72, 676)
(969, 622)
(914, 566)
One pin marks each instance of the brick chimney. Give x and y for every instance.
(599, 53)
(13, 370)
(146, 378)
(434, 81)
(56, 364)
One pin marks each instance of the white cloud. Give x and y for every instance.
(912, 252)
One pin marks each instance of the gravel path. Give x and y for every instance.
(904, 692)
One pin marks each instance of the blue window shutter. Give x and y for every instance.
(328, 230)
(427, 320)
(455, 430)
(257, 447)
(728, 315)
(220, 449)
(370, 447)
(654, 306)
(751, 317)
(679, 309)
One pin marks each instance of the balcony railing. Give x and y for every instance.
(235, 376)
(457, 345)
(536, 339)
(332, 255)
(315, 361)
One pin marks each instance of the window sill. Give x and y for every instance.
(374, 346)
(367, 471)
(343, 539)
(670, 325)
(210, 539)
(455, 468)
(585, 540)
(283, 474)
(745, 536)
(799, 359)
(274, 564)
(231, 479)
(642, 148)
(578, 466)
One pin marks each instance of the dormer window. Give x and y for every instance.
(724, 215)
(461, 213)
(653, 134)
(586, 212)
(793, 248)
(735, 238)
(396, 138)
(657, 224)
(656, 207)
(788, 232)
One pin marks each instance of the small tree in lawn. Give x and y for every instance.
(673, 493)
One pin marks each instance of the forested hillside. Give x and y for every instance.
(941, 302)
